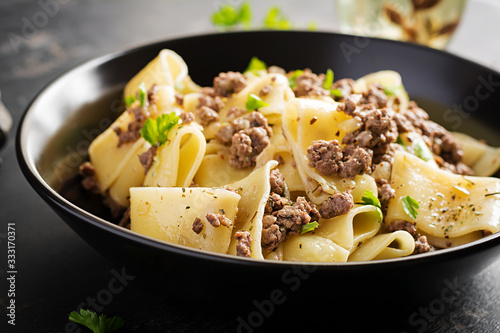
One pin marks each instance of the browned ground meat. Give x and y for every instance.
(228, 83)
(244, 241)
(216, 220)
(246, 145)
(385, 192)
(271, 233)
(89, 181)
(328, 158)
(325, 156)
(125, 220)
(310, 84)
(213, 102)
(244, 122)
(179, 98)
(265, 90)
(279, 159)
(187, 117)
(276, 202)
(133, 131)
(197, 225)
(421, 243)
(115, 208)
(207, 115)
(338, 204)
(375, 96)
(356, 161)
(344, 86)
(277, 182)
(153, 94)
(147, 158)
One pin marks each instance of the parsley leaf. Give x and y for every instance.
(254, 102)
(336, 92)
(410, 206)
(229, 16)
(294, 77)
(390, 90)
(143, 94)
(97, 324)
(129, 100)
(369, 198)
(275, 19)
(400, 142)
(327, 83)
(308, 227)
(155, 131)
(256, 65)
(422, 151)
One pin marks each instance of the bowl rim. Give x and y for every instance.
(35, 179)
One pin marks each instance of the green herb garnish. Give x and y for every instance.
(309, 227)
(155, 131)
(254, 102)
(143, 94)
(390, 90)
(256, 65)
(336, 92)
(229, 16)
(97, 324)
(410, 206)
(294, 77)
(400, 141)
(422, 151)
(327, 83)
(275, 19)
(129, 100)
(369, 198)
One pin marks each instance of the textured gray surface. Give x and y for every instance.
(52, 282)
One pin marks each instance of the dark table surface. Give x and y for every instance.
(56, 270)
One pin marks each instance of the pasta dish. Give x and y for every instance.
(290, 165)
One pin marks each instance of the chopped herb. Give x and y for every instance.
(448, 228)
(129, 100)
(327, 83)
(422, 151)
(143, 94)
(490, 194)
(275, 19)
(155, 131)
(229, 16)
(254, 102)
(410, 206)
(336, 92)
(400, 141)
(369, 198)
(97, 324)
(390, 90)
(256, 65)
(309, 227)
(294, 76)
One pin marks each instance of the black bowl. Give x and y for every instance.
(60, 123)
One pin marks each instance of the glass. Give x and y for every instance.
(427, 22)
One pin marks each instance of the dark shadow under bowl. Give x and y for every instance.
(69, 113)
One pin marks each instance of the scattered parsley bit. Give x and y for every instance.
(294, 76)
(228, 16)
(143, 94)
(97, 324)
(312, 26)
(390, 90)
(275, 19)
(490, 194)
(336, 93)
(255, 66)
(309, 227)
(369, 198)
(410, 206)
(129, 100)
(422, 151)
(254, 102)
(327, 83)
(400, 141)
(155, 131)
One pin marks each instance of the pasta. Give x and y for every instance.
(290, 166)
